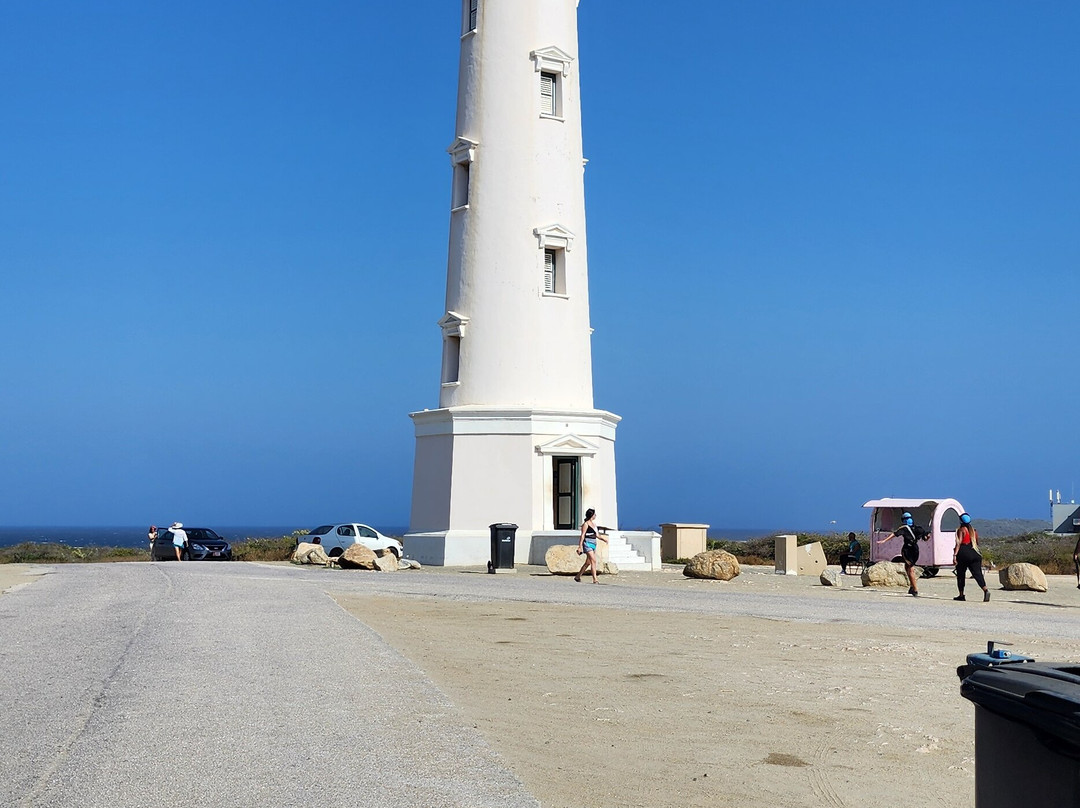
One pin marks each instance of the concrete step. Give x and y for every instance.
(625, 566)
(623, 555)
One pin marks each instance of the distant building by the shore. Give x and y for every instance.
(1065, 517)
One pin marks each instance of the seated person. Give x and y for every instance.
(853, 554)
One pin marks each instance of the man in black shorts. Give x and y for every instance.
(910, 551)
(1076, 562)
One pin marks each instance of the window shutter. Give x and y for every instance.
(549, 271)
(547, 93)
(473, 4)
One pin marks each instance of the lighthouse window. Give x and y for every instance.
(451, 359)
(549, 89)
(461, 185)
(472, 7)
(554, 272)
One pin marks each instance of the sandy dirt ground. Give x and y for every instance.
(16, 575)
(604, 707)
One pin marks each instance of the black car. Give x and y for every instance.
(203, 544)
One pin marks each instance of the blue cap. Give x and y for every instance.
(965, 519)
(905, 515)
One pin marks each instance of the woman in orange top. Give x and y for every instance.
(966, 556)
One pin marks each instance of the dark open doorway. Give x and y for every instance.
(565, 487)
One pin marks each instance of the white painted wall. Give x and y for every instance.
(523, 390)
(520, 347)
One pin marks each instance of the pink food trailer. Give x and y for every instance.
(939, 517)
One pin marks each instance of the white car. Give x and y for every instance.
(335, 538)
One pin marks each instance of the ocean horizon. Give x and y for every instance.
(135, 536)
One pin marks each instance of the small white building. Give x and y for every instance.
(516, 437)
(1065, 517)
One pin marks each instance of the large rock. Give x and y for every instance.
(307, 553)
(718, 565)
(1023, 576)
(830, 577)
(563, 559)
(357, 557)
(386, 561)
(887, 573)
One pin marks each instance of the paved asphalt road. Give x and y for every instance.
(212, 685)
(235, 685)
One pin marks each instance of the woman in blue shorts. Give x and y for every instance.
(179, 539)
(587, 544)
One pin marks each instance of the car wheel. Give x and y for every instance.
(335, 552)
(394, 551)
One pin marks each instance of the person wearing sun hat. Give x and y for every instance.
(179, 539)
(966, 556)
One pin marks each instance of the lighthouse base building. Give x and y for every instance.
(516, 438)
(538, 469)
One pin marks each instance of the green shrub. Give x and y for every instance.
(1052, 554)
(277, 549)
(54, 553)
(762, 551)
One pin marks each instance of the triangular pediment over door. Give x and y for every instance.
(568, 445)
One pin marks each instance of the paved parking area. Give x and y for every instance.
(220, 685)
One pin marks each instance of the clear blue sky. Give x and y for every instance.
(834, 255)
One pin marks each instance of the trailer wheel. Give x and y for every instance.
(930, 572)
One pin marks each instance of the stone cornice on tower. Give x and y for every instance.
(553, 59)
(462, 150)
(453, 324)
(555, 235)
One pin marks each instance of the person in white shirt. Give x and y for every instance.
(179, 539)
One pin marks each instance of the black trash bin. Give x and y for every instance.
(1027, 730)
(502, 546)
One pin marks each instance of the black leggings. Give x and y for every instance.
(967, 559)
(849, 558)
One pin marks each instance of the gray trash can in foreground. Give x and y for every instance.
(1027, 730)
(503, 535)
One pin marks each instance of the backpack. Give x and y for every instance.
(912, 534)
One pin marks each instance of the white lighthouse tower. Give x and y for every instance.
(516, 437)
